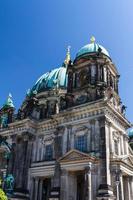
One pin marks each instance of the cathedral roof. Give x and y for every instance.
(56, 78)
(93, 47)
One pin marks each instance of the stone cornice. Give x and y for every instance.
(112, 113)
(122, 165)
(19, 127)
(70, 116)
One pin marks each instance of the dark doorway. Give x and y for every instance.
(46, 189)
(80, 187)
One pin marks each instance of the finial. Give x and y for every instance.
(68, 56)
(92, 39)
(10, 95)
(9, 102)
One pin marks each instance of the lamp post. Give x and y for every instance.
(117, 182)
(117, 189)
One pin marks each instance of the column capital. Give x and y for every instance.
(64, 172)
(108, 123)
(88, 168)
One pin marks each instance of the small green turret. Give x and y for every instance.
(9, 103)
(6, 112)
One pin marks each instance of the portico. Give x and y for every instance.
(77, 175)
(40, 180)
(122, 181)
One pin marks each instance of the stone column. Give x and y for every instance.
(40, 189)
(97, 135)
(42, 152)
(126, 144)
(122, 145)
(72, 186)
(121, 190)
(119, 146)
(107, 151)
(72, 131)
(127, 188)
(131, 186)
(32, 189)
(39, 148)
(117, 190)
(88, 141)
(98, 72)
(65, 141)
(36, 188)
(88, 180)
(34, 152)
(92, 135)
(64, 185)
(111, 143)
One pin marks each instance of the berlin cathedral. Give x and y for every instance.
(69, 140)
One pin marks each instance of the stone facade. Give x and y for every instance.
(72, 143)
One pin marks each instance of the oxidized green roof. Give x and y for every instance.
(130, 134)
(93, 47)
(56, 78)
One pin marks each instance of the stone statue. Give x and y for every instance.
(62, 103)
(4, 120)
(9, 183)
(123, 109)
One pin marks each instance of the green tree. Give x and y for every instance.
(2, 193)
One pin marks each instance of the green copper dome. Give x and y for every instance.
(130, 134)
(93, 47)
(56, 78)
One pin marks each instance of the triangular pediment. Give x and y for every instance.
(128, 160)
(75, 155)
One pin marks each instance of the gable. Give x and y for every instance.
(128, 160)
(75, 155)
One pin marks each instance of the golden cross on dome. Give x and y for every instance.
(68, 55)
(92, 39)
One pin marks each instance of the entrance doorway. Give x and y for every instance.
(81, 186)
(46, 189)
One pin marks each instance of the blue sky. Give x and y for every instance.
(34, 35)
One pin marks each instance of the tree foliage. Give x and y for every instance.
(2, 195)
